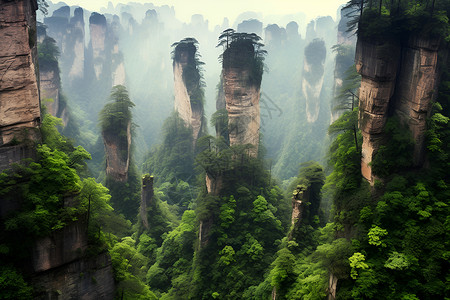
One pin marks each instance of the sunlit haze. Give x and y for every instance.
(215, 10)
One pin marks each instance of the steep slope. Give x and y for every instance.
(19, 103)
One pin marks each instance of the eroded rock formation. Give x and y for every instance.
(187, 86)
(242, 95)
(19, 99)
(377, 63)
(117, 64)
(345, 54)
(90, 278)
(117, 153)
(313, 76)
(98, 29)
(75, 39)
(417, 87)
(397, 79)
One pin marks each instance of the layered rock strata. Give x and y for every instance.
(242, 95)
(19, 97)
(98, 30)
(90, 278)
(377, 62)
(187, 87)
(117, 153)
(396, 80)
(416, 88)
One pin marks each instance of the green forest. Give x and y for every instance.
(204, 217)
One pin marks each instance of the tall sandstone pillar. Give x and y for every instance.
(396, 79)
(19, 97)
(242, 95)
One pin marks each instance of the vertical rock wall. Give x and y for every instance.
(242, 95)
(117, 152)
(416, 88)
(19, 96)
(313, 76)
(186, 85)
(50, 88)
(97, 28)
(397, 79)
(377, 62)
(77, 35)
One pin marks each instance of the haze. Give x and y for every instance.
(215, 10)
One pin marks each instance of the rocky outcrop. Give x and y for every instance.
(187, 86)
(19, 98)
(61, 247)
(98, 30)
(69, 35)
(76, 39)
(49, 84)
(299, 200)
(118, 66)
(416, 88)
(275, 35)
(49, 79)
(313, 76)
(397, 79)
(250, 26)
(377, 62)
(242, 95)
(146, 198)
(117, 153)
(89, 278)
(345, 54)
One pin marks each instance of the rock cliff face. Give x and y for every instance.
(313, 76)
(80, 279)
(417, 87)
(187, 87)
(19, 98)
(76, 36)
(118, 67)
(377, 63)
(98, 29)
(117, 152)
(49, 85)
(69, 35)
(345, 55)
(242, 95)
(397, 79)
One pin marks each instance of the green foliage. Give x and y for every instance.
(186, 52)
(172, 163)
(129, 266)
(13, 285)
(243, 49)
(315, 54)
(174, 258)
(48, 54)
(357, 261)
(396, 152)
(397, 18)
(125, 196)
(376, 235)
(42, 188)
(115, 116)
(242, 222)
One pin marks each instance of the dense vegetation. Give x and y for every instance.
(217, 222)
(116, 125)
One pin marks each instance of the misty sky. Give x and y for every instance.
(216, 10)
